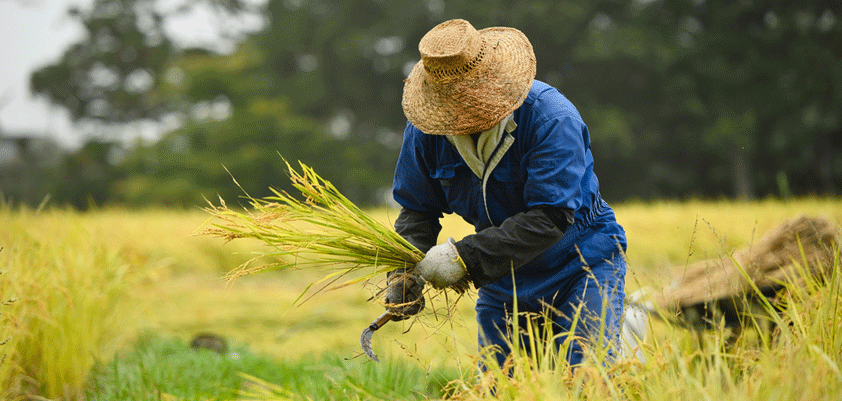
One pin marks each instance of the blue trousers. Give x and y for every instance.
(589, 282)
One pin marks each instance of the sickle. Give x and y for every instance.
(365, 337)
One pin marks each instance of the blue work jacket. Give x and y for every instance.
(546, 162)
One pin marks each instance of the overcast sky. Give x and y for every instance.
(35, 33)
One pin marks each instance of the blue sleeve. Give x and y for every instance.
(554, 142)
(413, 188)
(557, 158)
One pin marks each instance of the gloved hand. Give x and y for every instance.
(404, 294)
(443, 267)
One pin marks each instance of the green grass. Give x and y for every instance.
(166, 368)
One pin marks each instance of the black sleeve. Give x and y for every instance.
(418, 228)
(491, 253)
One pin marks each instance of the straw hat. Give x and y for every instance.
(467, 80)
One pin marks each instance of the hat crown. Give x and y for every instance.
(450, 50)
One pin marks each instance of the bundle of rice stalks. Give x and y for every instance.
(324, 231)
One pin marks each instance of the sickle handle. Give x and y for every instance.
(380, 321)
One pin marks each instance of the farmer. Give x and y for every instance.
(511, 156)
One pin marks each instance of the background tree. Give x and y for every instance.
(683, 99)
(112, 74)
(756, 84)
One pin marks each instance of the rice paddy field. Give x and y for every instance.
(103, 306)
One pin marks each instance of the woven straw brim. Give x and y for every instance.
(483, 97)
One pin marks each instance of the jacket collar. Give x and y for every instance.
(483, 155)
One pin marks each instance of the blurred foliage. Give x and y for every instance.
(682, 98)
(111, 74)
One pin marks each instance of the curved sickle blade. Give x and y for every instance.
(365, 342)
(365, 337)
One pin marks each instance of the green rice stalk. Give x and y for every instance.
(325, 231)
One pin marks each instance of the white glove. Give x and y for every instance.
(442, 266)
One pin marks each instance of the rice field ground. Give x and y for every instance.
(103, 305)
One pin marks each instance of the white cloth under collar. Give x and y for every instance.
(481, 157)
(478, 154)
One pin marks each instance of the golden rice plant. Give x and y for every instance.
(65, 294)
(323, 231)
(802, 360)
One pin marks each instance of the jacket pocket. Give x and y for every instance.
(460, 188)
(506, 173)
(445, 175)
